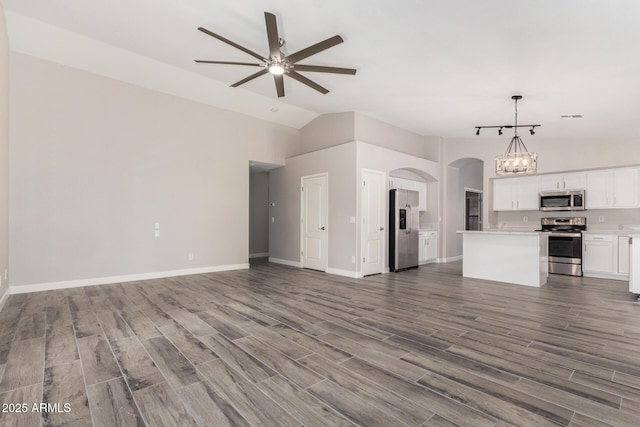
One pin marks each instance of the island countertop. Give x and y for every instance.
(503, 232)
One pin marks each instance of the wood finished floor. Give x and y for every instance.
(279, 346)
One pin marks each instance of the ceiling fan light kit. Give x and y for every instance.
(517, 159)
(277, 63)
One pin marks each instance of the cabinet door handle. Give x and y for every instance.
(557, 184)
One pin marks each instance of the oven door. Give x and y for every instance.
(565, 253)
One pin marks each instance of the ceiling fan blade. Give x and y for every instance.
(302, 79)
(251, 77)
(229, 42)
(203, 61)
(312, 50)
(279, 84)
(323, 69)
(272, 36)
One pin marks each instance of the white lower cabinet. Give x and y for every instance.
(623, 254)
(606, 256)
(427, 246)
(422, 247)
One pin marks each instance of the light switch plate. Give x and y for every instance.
(352, 219)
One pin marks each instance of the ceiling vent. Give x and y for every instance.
(571, 116)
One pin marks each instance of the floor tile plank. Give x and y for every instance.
(112, 405)
(64, 384)
(161, 406)
(254, 405)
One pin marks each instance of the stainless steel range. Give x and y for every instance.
(565, 244)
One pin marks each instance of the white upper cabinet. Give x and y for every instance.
(504, 194)
(612, 188)
(563, 181)
(516, 194)
(409, 184)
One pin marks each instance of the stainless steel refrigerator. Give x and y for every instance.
(403, 229)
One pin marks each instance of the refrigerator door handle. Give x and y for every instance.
(409, 219)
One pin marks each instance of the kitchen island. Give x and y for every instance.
(518, 257)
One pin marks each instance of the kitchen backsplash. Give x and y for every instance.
(597, 219)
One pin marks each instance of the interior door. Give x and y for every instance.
(373, 221)
(314, 222)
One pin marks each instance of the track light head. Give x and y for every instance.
(478, 131)
(500, 131)
(531, 131)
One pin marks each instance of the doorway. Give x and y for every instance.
(373, 221)
(259, 210)
(314, 222)
(472, 209)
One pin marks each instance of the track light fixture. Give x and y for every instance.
(516, 159)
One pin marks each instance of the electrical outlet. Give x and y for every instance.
(273, 219)
(525, 219)
(601, 218)
(190, 256)
(353, 259)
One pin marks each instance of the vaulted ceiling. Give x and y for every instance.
(433, 67)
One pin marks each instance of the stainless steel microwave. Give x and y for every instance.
(562, 200)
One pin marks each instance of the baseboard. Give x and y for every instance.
(49, 286)
(345, 273)
(610, 276)
(450, 259)
(259, 255)
(285, 262)
(4, 298)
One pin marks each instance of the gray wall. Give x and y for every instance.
(284, 187)
(4, 153)
(385, 160)
(376, 132)
(469, 174)
(259, 213)
(327, 130)
(96, 162)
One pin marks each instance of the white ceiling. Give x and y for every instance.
(433, 67)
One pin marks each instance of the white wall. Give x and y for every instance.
(258, 213)
(4, 156)
(96, 162)
(284, 186)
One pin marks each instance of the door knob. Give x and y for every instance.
(321, 228)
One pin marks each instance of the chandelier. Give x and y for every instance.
(517, 159)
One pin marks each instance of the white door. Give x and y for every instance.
(373, 221)
(314, 222)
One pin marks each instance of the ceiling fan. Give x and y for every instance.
(279, 64)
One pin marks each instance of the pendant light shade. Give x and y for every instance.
(517, 159)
